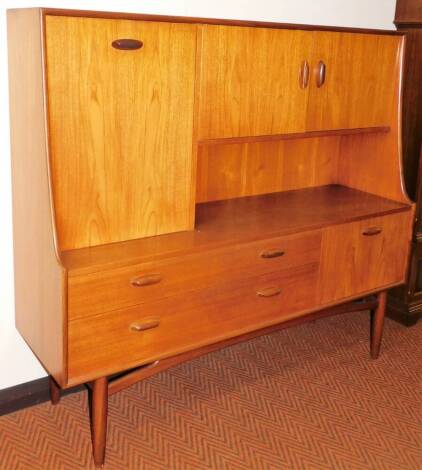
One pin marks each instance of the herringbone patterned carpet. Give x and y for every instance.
(304, 398)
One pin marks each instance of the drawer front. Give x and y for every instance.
(125, 287)
(363, 256)
(118, 340)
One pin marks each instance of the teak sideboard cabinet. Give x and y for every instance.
(181, 184)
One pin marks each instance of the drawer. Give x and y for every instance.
(133, 285)
(115, 341)
(363, 256)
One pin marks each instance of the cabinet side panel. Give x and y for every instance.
(39, 278)
(373, 162)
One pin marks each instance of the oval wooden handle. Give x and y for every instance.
(147, 280)
(145, 325)
(321, 74)
(272, 253)
(304, 75)
(127, 44)
(370, 231)
(268, 292)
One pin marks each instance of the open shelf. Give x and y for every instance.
(294, 135)
(239, 220)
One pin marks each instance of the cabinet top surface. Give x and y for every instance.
(240, 220)
(215, 21)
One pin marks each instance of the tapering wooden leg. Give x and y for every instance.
(377, 323)
(54, 391)
(99, 408)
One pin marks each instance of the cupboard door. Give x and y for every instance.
(360, 81)
(252, 82)
(120, 122)
(362, 256)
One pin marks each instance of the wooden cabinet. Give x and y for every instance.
(180, 185)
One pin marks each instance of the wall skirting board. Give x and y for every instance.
(28, 394)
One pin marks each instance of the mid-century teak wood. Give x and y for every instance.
(182, 184)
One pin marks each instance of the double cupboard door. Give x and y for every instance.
(259, 81)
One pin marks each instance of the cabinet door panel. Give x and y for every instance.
(360, 81)
(363, 256)
(250, 81)
(120, 128)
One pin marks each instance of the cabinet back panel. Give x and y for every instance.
(120, 126)
(235, 170)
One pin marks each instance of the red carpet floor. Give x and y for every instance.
(304, 398)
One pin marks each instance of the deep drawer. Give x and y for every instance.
(112, 342)
(125, 287)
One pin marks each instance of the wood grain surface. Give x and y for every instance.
(249, 82)
(353, 262)
(40, 282)
(225, 223)
(113, 289)
(409, 11)
(103, 344)
(360, 81)
(236, 170)
(116, 171)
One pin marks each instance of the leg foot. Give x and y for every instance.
(99, 407)
(377, 323)
(54, 391)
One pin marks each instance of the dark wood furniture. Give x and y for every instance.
(216, 182)
(405, 303)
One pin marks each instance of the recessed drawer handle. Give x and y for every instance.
(272, 254)
(369, 232)
(146, 280)
(145, 325)
(127, 44)
(269, 292)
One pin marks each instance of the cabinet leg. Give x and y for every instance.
(377, 323)
(54, 391)
(99, 408)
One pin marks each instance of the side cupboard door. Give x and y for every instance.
(253, 81)
(363, 256)
(353, 80)
(121, 98)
